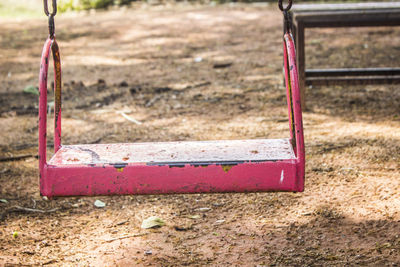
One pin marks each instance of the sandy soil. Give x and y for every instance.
(143, 61)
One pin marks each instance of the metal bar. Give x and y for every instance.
(353, 80)
(348, 19)
(347, 6)
(343, 24)
(352, 72)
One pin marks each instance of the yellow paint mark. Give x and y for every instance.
(226, 168)
(120, 169)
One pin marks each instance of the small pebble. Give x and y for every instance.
(204, 209)
(99, 204)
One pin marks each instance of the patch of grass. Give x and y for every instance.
(65, 5)
(21, 9)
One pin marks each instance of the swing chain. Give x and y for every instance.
(286, 15)
(50, 15)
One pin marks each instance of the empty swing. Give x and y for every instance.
(170, 167)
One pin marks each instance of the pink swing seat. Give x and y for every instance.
(171, 167)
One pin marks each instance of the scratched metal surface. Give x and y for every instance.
(175, 152)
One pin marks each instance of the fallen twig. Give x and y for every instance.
(117, 224)
(125, 236)
(34, 203)
(198, 85)
(19, 157)
(19, 208)
(23, 209)
(222, 65)
(129, 118)
(152, 101)
(193, 86)
(49, 262)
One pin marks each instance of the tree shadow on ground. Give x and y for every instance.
(353, 103)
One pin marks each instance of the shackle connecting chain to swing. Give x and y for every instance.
(286, 15)
(51, 16)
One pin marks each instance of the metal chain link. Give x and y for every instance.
(286, 14)
(51, 16)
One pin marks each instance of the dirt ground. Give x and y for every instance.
(199, 73)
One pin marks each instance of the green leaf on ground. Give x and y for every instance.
(152, 222)
(31, 90)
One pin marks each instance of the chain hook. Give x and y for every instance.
(287, 8)
(286, 15)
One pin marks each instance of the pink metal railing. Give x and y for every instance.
(293, 100)
(44, 66)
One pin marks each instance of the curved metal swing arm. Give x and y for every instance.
(294, 105)
(293, 98)
(49, 46)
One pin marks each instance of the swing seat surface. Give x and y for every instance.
(171, 167)
(175, 153)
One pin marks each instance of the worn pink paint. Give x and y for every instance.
(44, 67)
(292, 79)
(153, 179)
(177, 167)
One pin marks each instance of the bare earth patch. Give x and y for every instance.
(199, 73)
